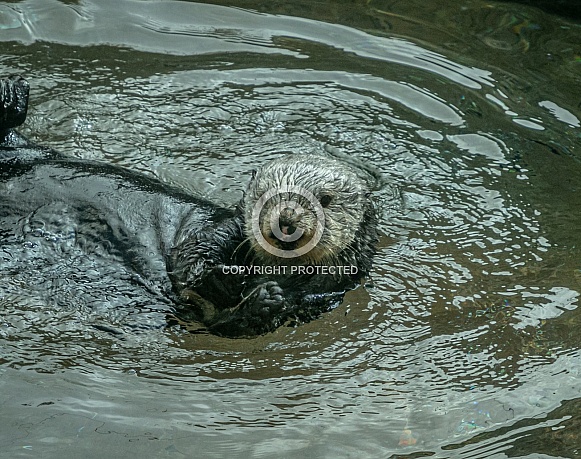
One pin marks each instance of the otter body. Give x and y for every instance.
(95, 231)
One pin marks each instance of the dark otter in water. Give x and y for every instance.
(302, 235)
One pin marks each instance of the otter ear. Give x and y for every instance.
(253, 173)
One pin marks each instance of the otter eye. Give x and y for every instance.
(325, 200)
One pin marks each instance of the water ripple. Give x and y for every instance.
(463, 340)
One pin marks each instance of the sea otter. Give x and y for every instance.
(303, 233)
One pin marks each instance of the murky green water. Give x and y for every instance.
(464, 343)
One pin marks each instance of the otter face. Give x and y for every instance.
(304, 210)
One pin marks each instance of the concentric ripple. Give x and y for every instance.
(463, 339)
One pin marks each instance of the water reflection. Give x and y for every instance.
(464, 338)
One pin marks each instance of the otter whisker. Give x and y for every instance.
(238, 247)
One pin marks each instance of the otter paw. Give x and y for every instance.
(267, 300)
(13, 101)
(261, 312)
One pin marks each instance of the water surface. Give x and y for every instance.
(464, 341)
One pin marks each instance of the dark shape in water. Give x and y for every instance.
(132, 229)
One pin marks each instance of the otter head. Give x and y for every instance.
(304, 210)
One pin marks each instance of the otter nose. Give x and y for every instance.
(287, 214)
(287, 221)
(283, 225)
